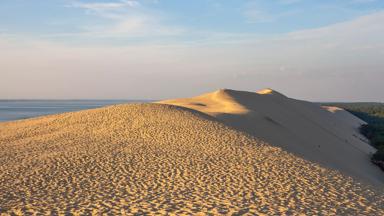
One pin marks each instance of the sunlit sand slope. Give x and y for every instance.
(162, 159)
(327, 136)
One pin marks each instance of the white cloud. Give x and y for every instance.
(258, 16)
(263, 16)
(102, 6)
(136, 26)
(255, 13)
(126, 19)
(287, 2)
(364, 29)
(363, 1)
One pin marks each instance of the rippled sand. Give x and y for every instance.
(154, 158)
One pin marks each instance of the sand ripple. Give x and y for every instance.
(160, 159)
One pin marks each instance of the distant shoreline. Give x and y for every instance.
(19, 109)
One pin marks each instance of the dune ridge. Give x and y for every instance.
(163, 159)
(328, 136)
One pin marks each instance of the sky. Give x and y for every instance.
(328, 50)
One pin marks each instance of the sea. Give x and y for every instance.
(11, 110)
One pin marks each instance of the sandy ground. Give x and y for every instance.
(328, 136)
(162, 159)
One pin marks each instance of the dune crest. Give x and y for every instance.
(220, 101)
(327, 136)
(269, 91)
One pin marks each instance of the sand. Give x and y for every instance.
(162, 159)
(327, 136)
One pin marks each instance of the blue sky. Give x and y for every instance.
(289, 45)
(179, 20)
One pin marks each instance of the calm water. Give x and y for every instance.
(21, 109)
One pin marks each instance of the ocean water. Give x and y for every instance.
(22, 109)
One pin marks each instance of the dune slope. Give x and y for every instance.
(162, 159)
(327, 136)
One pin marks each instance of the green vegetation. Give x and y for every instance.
(373, 114)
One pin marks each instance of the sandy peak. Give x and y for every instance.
(269, 91)
(224, 91)
(225, 94)
(266, 91)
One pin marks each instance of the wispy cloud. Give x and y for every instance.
(135, 26)
(361, 28)
(110, 10)
(263, 16)
(287, 2)
(258, 16)
(102, 6)
(256, 13)
(127, 19)
(363, 1)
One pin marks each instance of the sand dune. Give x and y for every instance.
(160, 159)
(349, 120)
(326, 136)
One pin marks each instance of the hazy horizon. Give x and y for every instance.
(151, 100)
(329, 51)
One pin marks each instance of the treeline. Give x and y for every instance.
(373, 114)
